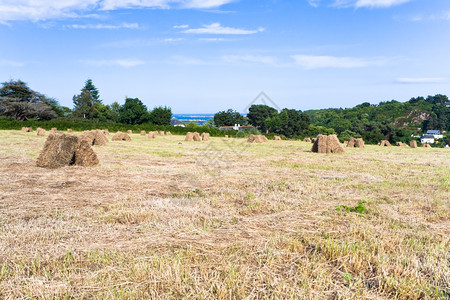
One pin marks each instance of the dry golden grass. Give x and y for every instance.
(224, 219)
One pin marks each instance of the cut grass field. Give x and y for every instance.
(224, 219)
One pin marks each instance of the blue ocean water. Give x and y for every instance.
(200, 119)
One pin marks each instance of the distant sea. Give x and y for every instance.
(200, 119)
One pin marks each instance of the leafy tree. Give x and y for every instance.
(161, 115)
(19, 102)
(258, 113)
(133, 111)
(228, 118)
(288, 122)
(87, 103)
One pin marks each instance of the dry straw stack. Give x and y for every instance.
(307, 139)
(161, 132)
(121, 136)
(327, 144)
(95, 137)
(40, 131)
(106, 131)
(384, 143)
(205, 136)
(426, 145)
(130, 131)
(27, 129)
(357, 143)
(193, 137)
(152, 134)
(259, 138)
(400, 144)
(62, 150)
(413, 144)
(276, 138)
(143, 132)
(168, 133)
(69, 130)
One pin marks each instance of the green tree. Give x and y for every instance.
(258, 113)
(161, 115)
(228, 118)
(288, 122)
(133, 111)
(19, 102)
(87, 103)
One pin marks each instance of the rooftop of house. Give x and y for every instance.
(427, 136)
(433, 131)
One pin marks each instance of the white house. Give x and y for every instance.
(435, 133)
(427, 139)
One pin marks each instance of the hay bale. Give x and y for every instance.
(385, 143)
(143, 132)
(161, 132)
(130, 131)
(41, 132)
(69, 130)
(226, 136)
(151, 135)
(276, 138)
(54, 129)
(426, 145)
(62, 150)
(359, 143)
(205, 136)
(327, 144)
(106, 132)
(307, 139)
(257, 138)
(94, 137)
(196, 137)
(189, 137)
(168, 133)
(24, 129)
(413, 144)
(121, 136)
(400, 144)
(27, 129)
(313, 140)
(351, 142)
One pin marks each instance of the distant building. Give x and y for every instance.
(447, 104)
(235, 127)
(176, 123)
(435, 133)
(427, 139)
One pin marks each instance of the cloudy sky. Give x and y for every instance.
(202, 56)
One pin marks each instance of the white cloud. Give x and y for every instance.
(250, 58)
(38, 10)
(104, 26)
(216, 28)
(181, 26)
(379, 3)
(171, 40)
(315, 62)
(421, 80)
(211, 39)
(314, 3)
(11, 63)
(184, 60)
(125, 63)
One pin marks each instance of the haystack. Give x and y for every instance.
(196, 137)
(130, 131)
(307, 139)
(27, 129)
(54, 129)
(168, 133)
(161, 132)
(69, 130)
(106, 132)
(257, 138)
(384, 143)
(276, 138)
(189, 137)
(40, 131)
(313, 140)
(413, 144)
(205, 136)
(327, 144)
(143, 132)
(358, 143)
(226, 136)
(64, 150)
(151, 135)
(400, 144)
(426, 145)
(120, 136)
(95, 137)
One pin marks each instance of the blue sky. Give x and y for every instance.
(202, 56)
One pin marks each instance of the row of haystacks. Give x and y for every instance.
(257, 138)
(121, 136)
(62, 150)
(154, 134)
(327, 144)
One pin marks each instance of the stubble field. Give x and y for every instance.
(224, 219)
